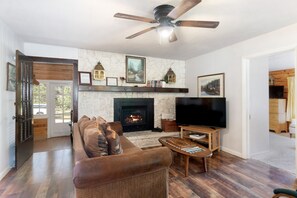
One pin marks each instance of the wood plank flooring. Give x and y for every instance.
(48, 173)
(228, 176)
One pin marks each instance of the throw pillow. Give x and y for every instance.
(84, 124)
(114, 146)
(100, 120)
(95, 142)
(116, 126)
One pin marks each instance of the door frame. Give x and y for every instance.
(75, 78)
(246, 95)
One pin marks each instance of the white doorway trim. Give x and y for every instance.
(246, 95)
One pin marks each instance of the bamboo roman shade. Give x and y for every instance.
(44, 71)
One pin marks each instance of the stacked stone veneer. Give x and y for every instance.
(101, 103)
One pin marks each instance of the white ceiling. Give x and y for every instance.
(90, 24)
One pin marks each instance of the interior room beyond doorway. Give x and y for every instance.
(52, 100)
(280, 150)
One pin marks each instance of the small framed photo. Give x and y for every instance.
(11, 77)
(211, 86)
(84, 78)
(135, 69)
(111, 81)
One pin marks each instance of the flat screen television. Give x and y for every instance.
(201, 111)
(276, 91)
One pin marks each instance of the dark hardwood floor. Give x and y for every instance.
(48, 173)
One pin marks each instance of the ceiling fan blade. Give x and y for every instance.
(202, 24)
(172, 37)
(182, 8)
(136, 18)
(141, 32)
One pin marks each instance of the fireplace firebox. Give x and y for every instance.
(135, 114)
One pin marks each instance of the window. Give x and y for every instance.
(39, 99)
(63, 103)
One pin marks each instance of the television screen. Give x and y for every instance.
(201, 111)
(276, 91)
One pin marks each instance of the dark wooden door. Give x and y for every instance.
(24, 109)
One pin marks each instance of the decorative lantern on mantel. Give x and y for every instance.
(99, 72)
(170, 76)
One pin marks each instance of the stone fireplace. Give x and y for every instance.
(135, 114)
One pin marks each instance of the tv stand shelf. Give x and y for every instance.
(212, 135)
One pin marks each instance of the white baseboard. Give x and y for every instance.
(232, 152)
(255, 155)
(4, 173)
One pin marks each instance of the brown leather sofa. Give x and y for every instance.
(135, 173)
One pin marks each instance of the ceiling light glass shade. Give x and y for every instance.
(165, 31)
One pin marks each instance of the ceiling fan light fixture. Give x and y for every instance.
(165, 31)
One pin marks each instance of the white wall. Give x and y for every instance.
(51, 51)
(9, 42)
(229, 61)
(101, 103)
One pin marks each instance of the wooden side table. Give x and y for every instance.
(212, 135)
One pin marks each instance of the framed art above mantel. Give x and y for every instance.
(135, 69)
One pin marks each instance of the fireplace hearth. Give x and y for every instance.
(135, 114)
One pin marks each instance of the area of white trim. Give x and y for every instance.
(232, 152)
(4, 173)
(245, 96)
(245, 108)
(295, 108)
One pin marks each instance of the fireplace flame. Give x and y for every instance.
(133, 119)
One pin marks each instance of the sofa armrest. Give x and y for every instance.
(101, 170)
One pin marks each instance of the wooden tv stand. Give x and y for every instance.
(212, 135)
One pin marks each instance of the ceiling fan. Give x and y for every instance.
(165, 15)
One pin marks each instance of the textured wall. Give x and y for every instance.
(101, 103)
(8, 45)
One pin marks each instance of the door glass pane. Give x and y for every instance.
(58, 118)
(63, 104)
(39, 99)
(67, 117)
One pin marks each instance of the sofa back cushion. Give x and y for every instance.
(84, 124)
(84, 117)
(95, 142)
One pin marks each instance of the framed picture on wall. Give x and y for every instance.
(84, 78)
(211, 85)
(135, 69)
(111, 81)
(11, 77)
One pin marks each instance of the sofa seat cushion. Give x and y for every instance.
(127, 146)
